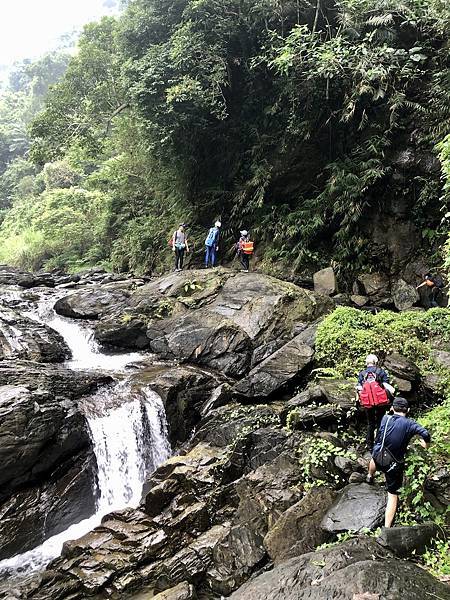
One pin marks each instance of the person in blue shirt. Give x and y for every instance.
(399, 432)
(374, 414)
(212, 244)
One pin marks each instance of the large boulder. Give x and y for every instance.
(92, 303)
(355, 570)
(24, 338)
(277, 370)
(214, 317)
(404, 295)
(405, 373)
(47, 474)
(299, 530)
(57, 379)
(359, 506)
(377, 287)
(403, 541)
(34, 514)
(203, 338)
(325, 282)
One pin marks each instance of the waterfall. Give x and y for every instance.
(129, 441)
(129, 437)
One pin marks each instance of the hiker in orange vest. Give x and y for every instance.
(244, 249)
(373, 390)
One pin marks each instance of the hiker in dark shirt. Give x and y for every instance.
(434, 285)
(376, 409)
(394, 435)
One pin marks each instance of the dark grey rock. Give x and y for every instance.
(356, 570)
(51, 485)
(277, 370)
(403, 541)
(359, 506)
(92, 303)
(298, 530)
(404, 295)
(24, 338)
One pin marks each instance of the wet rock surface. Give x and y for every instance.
(359, 506)
(52, 485)
(24, 338)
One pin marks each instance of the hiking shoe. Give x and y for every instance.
(370, 479)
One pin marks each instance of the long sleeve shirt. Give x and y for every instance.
(398, 435)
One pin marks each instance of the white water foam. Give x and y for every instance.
(79, 336)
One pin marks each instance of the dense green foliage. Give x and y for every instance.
(345, 338)
(281, 116)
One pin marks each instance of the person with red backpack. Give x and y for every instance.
(373, 395)
(244, 249)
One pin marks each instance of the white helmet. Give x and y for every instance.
(244, 232)
(372, 359)
(217, 224)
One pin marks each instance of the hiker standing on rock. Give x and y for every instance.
(388, 455)
(244, 249)
(372, 388)
(180, 246)
(212, 244)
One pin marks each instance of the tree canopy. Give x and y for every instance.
(287, 117)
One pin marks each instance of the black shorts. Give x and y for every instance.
(394, 478)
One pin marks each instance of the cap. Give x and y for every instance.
(244, 232)
(401, 403)
(218, 224)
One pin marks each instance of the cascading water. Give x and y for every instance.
(129, 436)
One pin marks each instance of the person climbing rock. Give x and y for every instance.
(388, 456)
(244, 250)
(373, 391)
(434, 284)
(212, 244)
(180, 246)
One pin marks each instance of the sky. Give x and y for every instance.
(29, 28)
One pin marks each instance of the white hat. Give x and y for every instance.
(372, 359)
(217, 224)
(244, 232)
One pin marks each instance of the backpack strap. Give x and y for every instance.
(385, 430)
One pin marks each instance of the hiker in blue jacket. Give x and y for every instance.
(388, 456)
(212, 244)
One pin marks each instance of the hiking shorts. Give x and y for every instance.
(394, 479)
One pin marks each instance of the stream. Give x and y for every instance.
(128, 430)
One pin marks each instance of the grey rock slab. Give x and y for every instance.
(325, 281)
(91, 304)
(359, 506)
(298, 530)
(404, 295)
(275, 371)
(403, 541)
(355, 570)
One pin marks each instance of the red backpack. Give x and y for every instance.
(372, 393)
